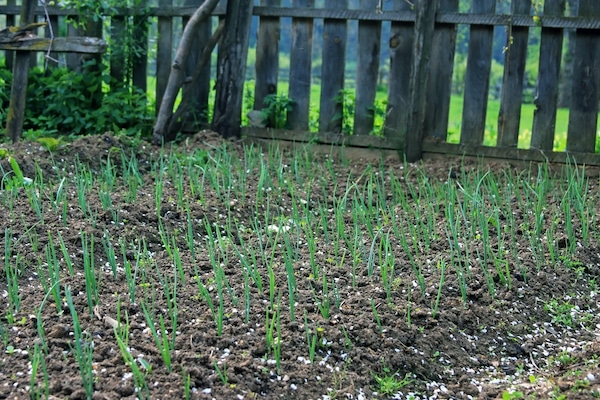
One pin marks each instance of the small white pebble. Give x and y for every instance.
(293, 387)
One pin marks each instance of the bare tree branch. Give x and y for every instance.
(176, 77)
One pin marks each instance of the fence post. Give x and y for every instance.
(164, 52)
(18, 94)
(546, 99)
(439, 87)
(231, 68)
(267, 59)
(515, 57)
(477, 79)
(424, 26)
(401, 52)
(367, 71)
(198, 92)
(300, 69)
(335, 33)
(583, 117)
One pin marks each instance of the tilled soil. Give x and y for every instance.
(479, 349)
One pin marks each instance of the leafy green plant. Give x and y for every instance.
(389, 382)
(276, 109)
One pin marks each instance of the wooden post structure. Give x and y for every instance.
(367, 71)
(300, 68)
(583, 117)
(335, 35)
(512, 84)
(24, 45)
(18, 94)
(424, 26)
(546, 100)
(231, 69)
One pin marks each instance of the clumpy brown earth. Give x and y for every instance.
(371, 344)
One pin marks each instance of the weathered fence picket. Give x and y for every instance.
(546, 100)
(583, 117)
(267, 58)
(367, 71)
(515, 57)
(401, 53)
(477, 79)
(333, 69)
(300, 68)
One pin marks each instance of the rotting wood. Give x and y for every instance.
(164, 52)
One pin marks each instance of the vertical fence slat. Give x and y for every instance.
(583, 117)
(367, 71)
(140, 56)
(18, 93)
(477, 79)
(231, 69)
(267, 58)
(300, 68)
(439, 87)
(199, 92)
(10, 21)
(164, 52)
(332, 69)
(546, 100)
(515, 58)
(401, 54)
(424, 26)
(118, 34)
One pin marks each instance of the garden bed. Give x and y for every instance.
(292, 275)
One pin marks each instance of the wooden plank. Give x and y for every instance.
(267, 59)
(477, 79)
(84, 45)
(332, 70)
(313, 13)
(401, 54)
(164, 52)
(197, 116)
(439, 87)
(300, 68)
(367, 71)
(10, 21)
(231, 68)
(118, 34)
(140, 56)
(515, 58)
(510, 153)
(331, 138)
(546, 100)
(18, 93)
(583, 117)
(419, 76)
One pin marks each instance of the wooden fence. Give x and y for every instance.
(421, 41)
